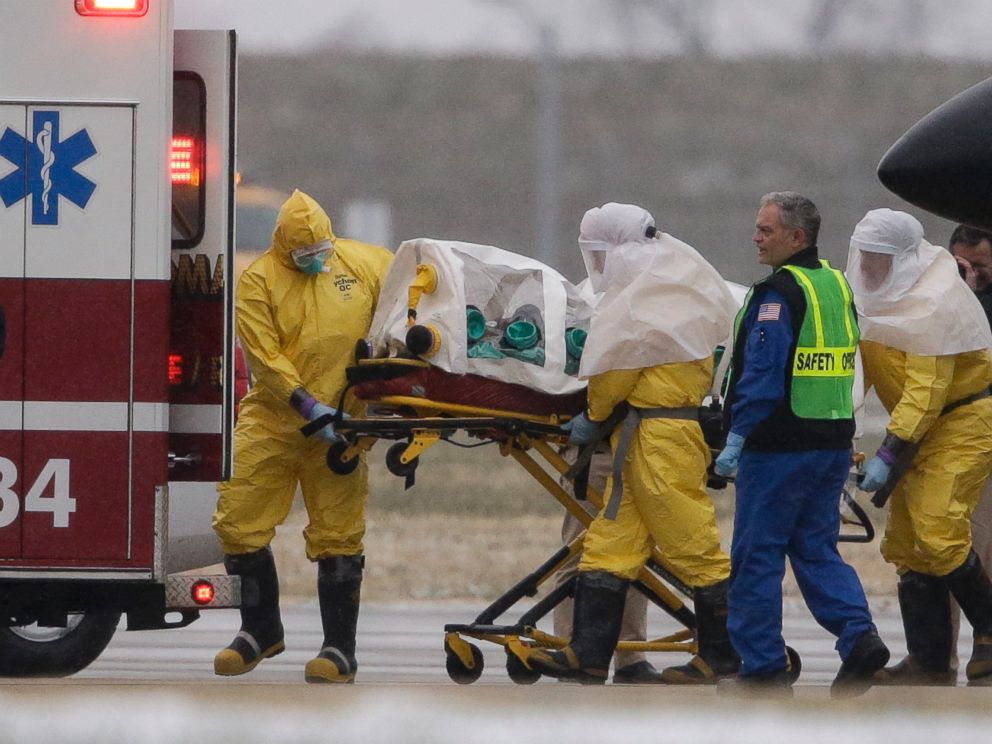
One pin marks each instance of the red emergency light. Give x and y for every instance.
(202, 592)
(181, 162)
(175, 369)
(126, 8)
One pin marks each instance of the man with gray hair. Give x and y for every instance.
(790, 421)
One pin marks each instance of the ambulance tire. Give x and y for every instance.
(34, 651)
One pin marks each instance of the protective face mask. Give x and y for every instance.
(311, 264)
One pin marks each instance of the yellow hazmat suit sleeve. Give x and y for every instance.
(914, 389)
(924, 394)
(256, 328)
(607, 390)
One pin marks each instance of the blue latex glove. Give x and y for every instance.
(327, 433)
(580, 429)
(726, 461)
(876, 473)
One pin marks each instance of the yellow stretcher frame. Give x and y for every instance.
(419, 424)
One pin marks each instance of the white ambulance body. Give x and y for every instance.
(117, 142)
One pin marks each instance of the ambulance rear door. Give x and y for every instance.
(201, 358)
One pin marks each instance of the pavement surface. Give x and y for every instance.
(403, 644)
(159, 687)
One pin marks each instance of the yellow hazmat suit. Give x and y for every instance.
(928, 530)
(664, 500)
(662, 311)
(298, 330)
(925, 348)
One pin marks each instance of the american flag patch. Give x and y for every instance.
(769, 311)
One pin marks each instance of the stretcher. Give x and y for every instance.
(398, 411)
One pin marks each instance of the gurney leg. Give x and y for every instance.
(527, 587)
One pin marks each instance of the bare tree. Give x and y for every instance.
(825, 18)
(899, 27)
(912, 24)
(691, 21)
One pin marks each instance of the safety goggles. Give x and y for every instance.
(304, 257)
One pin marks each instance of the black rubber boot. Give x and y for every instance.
(599, 601)
(972, 589)
(925, 603)
(857, 671)
(639, 673)
(775, 684)
(339, 588)
(715, 657)
(261, 634)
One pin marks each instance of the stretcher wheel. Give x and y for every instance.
(518, 671)
(336, 464)
(456, 668)
(393, 463)
(795, 662)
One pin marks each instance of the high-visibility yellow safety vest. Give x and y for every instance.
(823, 365)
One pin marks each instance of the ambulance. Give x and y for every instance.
(117, 178)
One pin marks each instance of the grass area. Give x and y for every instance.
(451, 480)
(475, 523)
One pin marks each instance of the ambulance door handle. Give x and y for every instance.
(191, 460)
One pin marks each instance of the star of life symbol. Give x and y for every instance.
(46, 168)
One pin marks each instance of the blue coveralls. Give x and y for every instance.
(787, 505)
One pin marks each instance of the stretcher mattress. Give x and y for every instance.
(434, 384)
